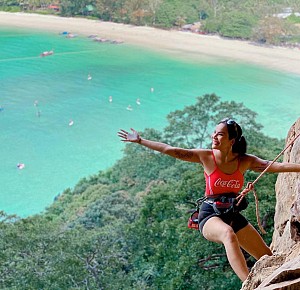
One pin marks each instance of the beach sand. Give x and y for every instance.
(190, 46)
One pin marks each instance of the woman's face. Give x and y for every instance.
(220, 137)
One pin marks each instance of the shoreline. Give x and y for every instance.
(184, 45)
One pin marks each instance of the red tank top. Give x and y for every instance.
(218, 182)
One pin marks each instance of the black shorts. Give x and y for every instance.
(232, 218)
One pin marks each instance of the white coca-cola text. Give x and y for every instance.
(233, 183)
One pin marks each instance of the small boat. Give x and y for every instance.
(116, 41)
(71, 35)
(99, 39)
(21, 165)
(71, 123)
(46, 53)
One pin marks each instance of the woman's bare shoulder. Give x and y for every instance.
(203, 153)
(248, 157)
(250, 161)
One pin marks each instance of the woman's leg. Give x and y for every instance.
(251, 241)
(216, 230)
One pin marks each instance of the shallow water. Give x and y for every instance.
(40, 96)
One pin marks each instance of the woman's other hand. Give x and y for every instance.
(129, 137)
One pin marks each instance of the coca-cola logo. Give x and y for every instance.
(233, 183)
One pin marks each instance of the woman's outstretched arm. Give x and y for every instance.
(259, 165)
(190, 155)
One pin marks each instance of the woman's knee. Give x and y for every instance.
(221, 233)
(228, 235)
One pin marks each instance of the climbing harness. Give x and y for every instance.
(221, 205)
(224, 204)
(193, 222)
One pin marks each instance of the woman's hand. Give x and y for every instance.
(129, 137)
(248, 188)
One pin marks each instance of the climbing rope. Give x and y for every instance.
(250, 185)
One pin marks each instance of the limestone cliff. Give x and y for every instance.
(282, 270)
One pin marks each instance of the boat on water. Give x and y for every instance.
(71, 35)
(100, 39)
(20, 165)
(47, 53)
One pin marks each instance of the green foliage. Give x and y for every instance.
(263, 146)
(192, 123)
(273, 30)
(237, 24)
(177, 13)
(293, 18)
(73, 8)
(212, 25)
(10, 8)
(9, 3)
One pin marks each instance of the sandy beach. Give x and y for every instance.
(186, 45)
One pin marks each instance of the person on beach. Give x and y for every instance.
(224, 166)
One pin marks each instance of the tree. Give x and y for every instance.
(153, 7)
(172, 12)
(193, 125)
(237, 24)
(135, 11)
(72, 8)
(112, 10)
(190, 126)
(271, 29)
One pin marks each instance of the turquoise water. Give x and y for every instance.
(57, 155)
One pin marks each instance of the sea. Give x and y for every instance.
(59, 114)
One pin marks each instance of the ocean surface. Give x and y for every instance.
(63, 126)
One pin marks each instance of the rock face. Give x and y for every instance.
(282, 270)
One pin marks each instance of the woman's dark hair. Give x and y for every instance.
(235, 132)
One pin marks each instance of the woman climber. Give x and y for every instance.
(224, 167)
